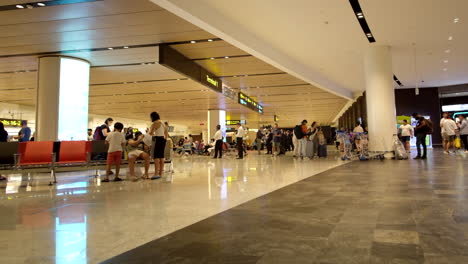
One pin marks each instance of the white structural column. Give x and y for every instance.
(62, 98)
(216, 117)
(380, 98)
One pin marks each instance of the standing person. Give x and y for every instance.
(269, 142)
(314, 129)
(3, 138)
(443, 133)
(3, 133)
(407, 132)
(276, 140)
(116, 142)
(25, 132)
(449, 128)
(295, 144)
(300, 131)
(422, 129)
(464, 131)
(258, 139)
(103, 130)
(357, 136)
(240, 141)
(218, 137)
(90, 134)
(147, 139)
(136, 149)
(159, 132)
(290, 141)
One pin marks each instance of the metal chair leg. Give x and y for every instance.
(51, 177)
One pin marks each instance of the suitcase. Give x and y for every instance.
(322, 150)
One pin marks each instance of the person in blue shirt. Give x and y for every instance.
(25, 132)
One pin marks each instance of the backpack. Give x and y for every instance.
(298, 132)
(430, 126)
(98, 133)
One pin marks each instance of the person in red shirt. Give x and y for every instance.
(301, 135)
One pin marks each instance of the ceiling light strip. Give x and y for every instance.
(397, 81)
(114, 48)
(41, 4)
(223, 57)
(134, 82)
(252, 74)
(362, 20)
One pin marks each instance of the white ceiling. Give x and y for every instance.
(321, 42)
(131, 91)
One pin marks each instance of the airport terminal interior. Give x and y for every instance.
(219, 131)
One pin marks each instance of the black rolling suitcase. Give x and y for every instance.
(322, 150)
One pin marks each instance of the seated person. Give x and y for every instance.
(136, 149)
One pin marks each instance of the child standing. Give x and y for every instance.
(116, 142)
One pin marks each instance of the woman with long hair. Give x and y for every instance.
(159, 132)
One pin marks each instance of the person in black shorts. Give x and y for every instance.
(159, 132)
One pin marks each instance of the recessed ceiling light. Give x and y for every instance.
(450, 38)
(40, 4)
(210, 40)
(19, 6)
(193, 41)
(369, 35)
(212, 58)
(456, 20)
(126, 47)
(445, 61)
(227, 57)
(110, 48)
(447, 51)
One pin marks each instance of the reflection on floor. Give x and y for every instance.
(81, 220)
(361, 212)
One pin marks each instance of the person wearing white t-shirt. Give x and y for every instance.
(218, 138)
(407, 132)
(240, 141)
(116, 142)
(448, 129)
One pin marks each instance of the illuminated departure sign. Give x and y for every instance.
(250, 103)
(176, 61)
(11, 122)
(211, 80)
(234, 122)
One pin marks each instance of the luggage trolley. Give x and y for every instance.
(345, 145)
(364, 146)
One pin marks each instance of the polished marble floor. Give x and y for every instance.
(82, 220)
(362, 212)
